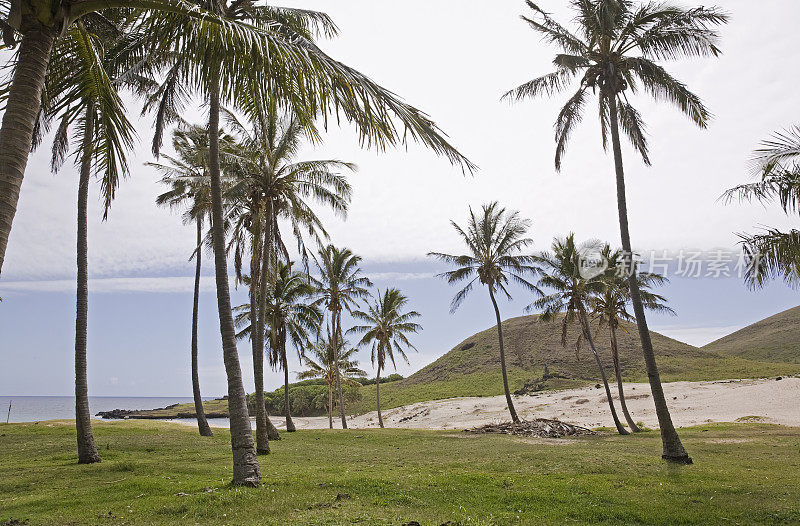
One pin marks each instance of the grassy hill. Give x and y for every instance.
(774, 339)
(472, 368)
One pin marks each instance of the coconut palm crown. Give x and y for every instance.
(773, 253)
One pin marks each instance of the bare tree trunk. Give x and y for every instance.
(672, 448)
(337, 331)
(87, 451)
(19, 119)
(330, 406)
(587, 333)
(246, 470)
(258, 288)
(509, 401)
(378, 396)
(288, 407)
(618, 373)
(202, 423)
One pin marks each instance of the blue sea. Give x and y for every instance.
(37, 408)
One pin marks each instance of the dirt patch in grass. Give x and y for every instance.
(539, 428)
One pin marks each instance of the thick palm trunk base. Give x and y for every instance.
(202, 423)
(246, 471)
(87, 451)
(672, 448)
(509, 401)
(19, 119)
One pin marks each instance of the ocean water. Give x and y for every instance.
(37, 408)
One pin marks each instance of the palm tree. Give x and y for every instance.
(272, 186)
(561, 272)
(773, 253)
(82, 96)
(616, 51)
(292, 316)
(609, 306)
(321, 360)
(187, 176)
(267, 53)
(339, 286)
(386, 328)
(494, 239)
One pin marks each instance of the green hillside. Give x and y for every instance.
(774, 339)
(472, 368)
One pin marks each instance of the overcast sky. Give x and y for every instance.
(453, 60)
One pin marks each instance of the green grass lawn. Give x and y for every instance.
(160, 473)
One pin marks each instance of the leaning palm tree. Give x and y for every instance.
(321, 360)
(267, 53)
(562, 272)
(609, 306)
(615, 52)
(82, 96)
(340, 286)
(187, 176)
(273, 186)
(773, 253)
(386, 328)
(494, 238)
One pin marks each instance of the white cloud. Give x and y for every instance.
(114, 285)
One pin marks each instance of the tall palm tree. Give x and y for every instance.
(340, 286)
(616, 51)
(772, 253)
(268, 53)
(494, 238)
(561, 273)
(190, 187)
(609, 306)
(321, 360)
(386, 328)
(82, 96)
(272, 186)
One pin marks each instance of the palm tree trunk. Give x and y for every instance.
(618, 373)
(587, 333)
(509, 401)
(202, 423)
(246, 470)
(87, 451)
(258, 288)
(672, 448)
(337, 331)
(288, 408)
(268, 261)
(330, 406)
(19, 119)
(378, 396)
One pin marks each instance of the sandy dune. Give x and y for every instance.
(691, 403)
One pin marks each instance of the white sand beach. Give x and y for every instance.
(691, 403)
